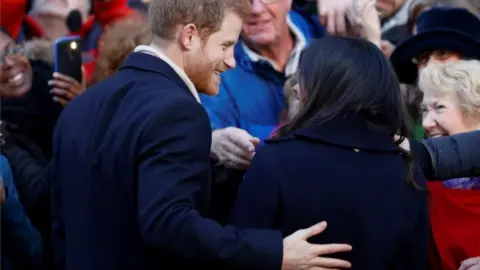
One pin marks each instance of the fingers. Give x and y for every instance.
(340, 25)
(404, 144)
(60, 84)
(313, 230)
(330, 263)
(60, 100)
(65, 94)
(66, 83)
(331, 23)
(239, 147)
(242, 139)
(234, 147)
(332, 15)
(331, 248)
(65, 88)
(84, 78)
(255, 141)
(236, 159)
(469, 263)
(61, 77)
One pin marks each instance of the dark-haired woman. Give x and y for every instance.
(336, 161)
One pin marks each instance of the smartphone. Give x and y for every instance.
(68, 57)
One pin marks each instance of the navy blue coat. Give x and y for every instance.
(349, 175)
(132, 180)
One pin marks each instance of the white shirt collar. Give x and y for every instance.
(294, 59)
(151, 49)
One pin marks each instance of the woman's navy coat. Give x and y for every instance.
(349, 175)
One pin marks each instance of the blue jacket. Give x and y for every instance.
(251, 95)
(132, 180)
(346, 174)
(21, 242)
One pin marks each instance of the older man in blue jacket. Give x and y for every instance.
(250, 100)
(131, 159)
(248, 106)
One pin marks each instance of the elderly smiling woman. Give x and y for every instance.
(451, 105)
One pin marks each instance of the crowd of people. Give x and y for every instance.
(227, 134)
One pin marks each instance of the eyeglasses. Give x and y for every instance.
(10, 50)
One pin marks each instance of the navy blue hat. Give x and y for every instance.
(439, 28)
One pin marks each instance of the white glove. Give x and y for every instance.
(233, 147)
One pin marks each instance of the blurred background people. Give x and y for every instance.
(118, 41)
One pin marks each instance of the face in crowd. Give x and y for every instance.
(211, 55)
(266, 22)
(15, 70)
(442, 115)
(388, 8)
(451, 102)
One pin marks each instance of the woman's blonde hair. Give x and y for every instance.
(461, 78)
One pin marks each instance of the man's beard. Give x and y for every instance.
(200, 72)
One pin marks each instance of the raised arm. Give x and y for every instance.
(449, 157)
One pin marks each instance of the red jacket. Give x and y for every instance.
(455, 221)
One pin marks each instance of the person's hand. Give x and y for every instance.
(299, 254)
(364, 16)
(65, 88)
(3, 196)
(470, 264)
(234, 147)
(405, 144)
(387, 47)
(332, 15)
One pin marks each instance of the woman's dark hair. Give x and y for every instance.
(347, 76)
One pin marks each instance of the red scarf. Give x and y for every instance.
(455, 220)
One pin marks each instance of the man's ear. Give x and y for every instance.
(188, 35)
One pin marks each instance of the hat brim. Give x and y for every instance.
(438, 39)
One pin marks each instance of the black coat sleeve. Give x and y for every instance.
(449, 157)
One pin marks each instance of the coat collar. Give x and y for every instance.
(159, 63)
(351, 131)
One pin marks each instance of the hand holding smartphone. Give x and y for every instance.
(68, 80)
(68, 57)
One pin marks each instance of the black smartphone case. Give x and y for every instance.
(68, 60)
